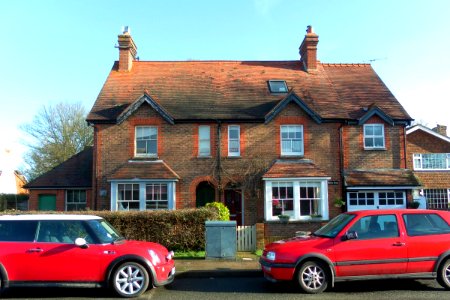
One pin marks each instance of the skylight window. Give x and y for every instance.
(277, 86)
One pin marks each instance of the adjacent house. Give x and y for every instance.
(267, 138)
(429, 157)
(66, 187)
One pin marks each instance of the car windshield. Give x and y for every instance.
(334, 226)
(104, 231)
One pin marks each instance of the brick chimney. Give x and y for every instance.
(127, 50)
(308, 50)
(441, 129)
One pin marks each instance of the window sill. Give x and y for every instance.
(292, 156)
(204, 157)
(236, 156)
(375, 149)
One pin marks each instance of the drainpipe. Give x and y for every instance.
(219, 159)
(341, 160)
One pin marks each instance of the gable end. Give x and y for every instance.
(145, 99)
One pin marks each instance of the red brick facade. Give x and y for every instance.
(420, 142)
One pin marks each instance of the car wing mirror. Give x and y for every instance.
(80, 242)
(350, 235)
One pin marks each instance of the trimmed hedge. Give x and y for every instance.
(178, 230)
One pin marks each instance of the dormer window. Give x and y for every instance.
(277, 86)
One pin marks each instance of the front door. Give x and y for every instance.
(47, 202)
(233, 200)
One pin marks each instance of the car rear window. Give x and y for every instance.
(17, 231)
(425, 224)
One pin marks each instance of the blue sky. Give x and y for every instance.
(62, 51)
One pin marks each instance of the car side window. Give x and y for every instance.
(375, 227)
(62, 232)
(425, 224)
(17, 231)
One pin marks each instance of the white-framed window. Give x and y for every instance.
(282, 198)
(300, 198)
(437, 198)
(373, 199)
(143, 195)
(431, 161)
(146, 141)
(204, 140)
(156, 196)
(374, 136)
(234, 140)
(291, 139)
(76, 200)
(128, 196)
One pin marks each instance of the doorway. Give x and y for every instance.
(233, 200)
(205, 193)
(47, 202)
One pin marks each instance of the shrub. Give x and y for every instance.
(224, 212)
(178, 230)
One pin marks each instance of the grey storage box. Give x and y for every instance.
(220, 239)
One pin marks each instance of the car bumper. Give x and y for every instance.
(167, 274)
(277, 271)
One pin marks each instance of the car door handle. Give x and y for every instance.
(34, 250)
(398, 244)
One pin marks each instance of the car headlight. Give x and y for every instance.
(170, 255)
(154, 257)
(270, 255)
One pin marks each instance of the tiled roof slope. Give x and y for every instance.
(237, 90)
(381, 177)
(145, 170)
(76, 172)
(294, 168)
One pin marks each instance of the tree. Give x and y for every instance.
(57, 133)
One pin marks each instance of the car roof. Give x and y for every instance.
(38, 217)
(394, 211)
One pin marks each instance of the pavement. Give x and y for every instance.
(245, 264)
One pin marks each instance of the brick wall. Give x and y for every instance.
(33, 201)
(422, 142)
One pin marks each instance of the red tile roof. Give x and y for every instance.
(76, 172)
(381, 177)
(294, 168)
(145, 170)
(193, 90)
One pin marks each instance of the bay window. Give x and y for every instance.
(299, 198)
(142, 195)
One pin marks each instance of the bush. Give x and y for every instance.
(178, 230)
(224, 212)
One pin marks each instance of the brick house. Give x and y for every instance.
(429, 156)
(66, 187)
(264, 137)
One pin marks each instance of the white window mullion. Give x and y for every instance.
(268, 202)
(296, 200)
(142, 204)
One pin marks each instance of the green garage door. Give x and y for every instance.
(47, 202)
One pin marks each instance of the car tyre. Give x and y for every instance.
(443, 276)
(313, 277)
(130, 279)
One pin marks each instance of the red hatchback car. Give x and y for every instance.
(363, 245)
(78, 250)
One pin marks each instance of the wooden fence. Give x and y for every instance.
(246, 238)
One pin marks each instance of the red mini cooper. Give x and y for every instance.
(77, 250)
(365, 245)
